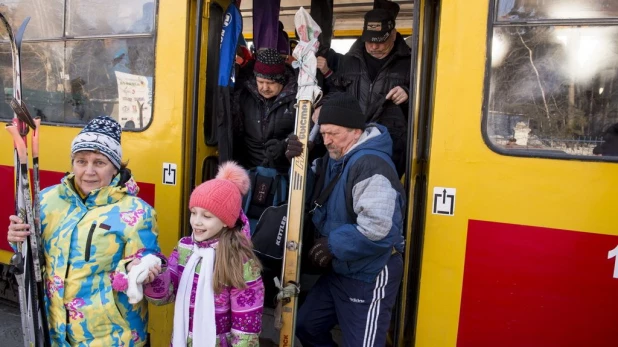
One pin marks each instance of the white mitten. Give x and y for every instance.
(138, 275)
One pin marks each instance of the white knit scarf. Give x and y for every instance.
(204, 325)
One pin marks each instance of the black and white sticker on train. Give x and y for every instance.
(444, 201)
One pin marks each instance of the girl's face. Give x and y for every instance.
(205, 224)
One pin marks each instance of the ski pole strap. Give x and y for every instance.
(285, 293)
(20, 109)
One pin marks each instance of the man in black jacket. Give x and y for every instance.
(376, 71)
(264, 113)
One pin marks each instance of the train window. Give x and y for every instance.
(106, 17)
(553, 88)
(47, 23)
(342, 45)
(525, 10)
(68, 80)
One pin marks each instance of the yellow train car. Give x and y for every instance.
(510, 235)
(513, 234)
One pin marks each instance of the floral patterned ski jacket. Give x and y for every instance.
(238, 313)
(86, 242)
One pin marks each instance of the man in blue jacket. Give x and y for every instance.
(361, 228)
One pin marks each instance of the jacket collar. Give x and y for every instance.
(212, 243)
(121, 185)
(374, 137)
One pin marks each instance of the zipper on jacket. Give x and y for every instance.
(66, 275)
(89, 241)
(370, 100)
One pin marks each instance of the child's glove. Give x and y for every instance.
(137, 276)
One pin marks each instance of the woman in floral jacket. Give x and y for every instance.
(93, 226)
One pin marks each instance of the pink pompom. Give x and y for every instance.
(236, 174)
(120, 283)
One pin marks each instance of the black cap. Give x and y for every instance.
(343, 110)
(378, 25)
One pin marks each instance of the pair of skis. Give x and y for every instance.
(308, 93)
(27, 263)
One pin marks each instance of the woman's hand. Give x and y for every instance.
(18, 231)
(152, 273)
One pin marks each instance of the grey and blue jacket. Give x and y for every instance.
(363, 216)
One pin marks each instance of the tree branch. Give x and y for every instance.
(538, 76)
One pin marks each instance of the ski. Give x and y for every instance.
(27, 262)
(308, 92)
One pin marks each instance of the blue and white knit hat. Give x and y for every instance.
(100, 134)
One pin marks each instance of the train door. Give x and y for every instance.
(519, 243)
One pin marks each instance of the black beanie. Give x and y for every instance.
(343, 110)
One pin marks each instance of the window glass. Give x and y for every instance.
(526, 10)
(42, 84)
(105, 17)
(112, 77)
(46, 17)
(342, 45)
(6, 80)
(553, 89)
(70, 80)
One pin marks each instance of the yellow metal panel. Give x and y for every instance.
(562, 194)
(163, 141)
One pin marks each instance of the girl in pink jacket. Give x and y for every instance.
(213, 276)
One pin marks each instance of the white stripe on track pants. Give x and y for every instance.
(362, 310)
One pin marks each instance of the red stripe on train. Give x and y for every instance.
(48, 178)
(531, 286)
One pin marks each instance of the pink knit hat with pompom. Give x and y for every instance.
(222, 196)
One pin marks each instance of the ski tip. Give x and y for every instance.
(5, 23)
(21, 31)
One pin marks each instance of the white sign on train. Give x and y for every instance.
(444, 201)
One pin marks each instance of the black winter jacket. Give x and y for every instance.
(352, 76)
(257, 120)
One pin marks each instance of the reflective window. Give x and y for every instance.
(553, 90)
(71, 81)
(46, 17)
(43, 88)
(112, 77)
(525, 10)
(105, 17)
